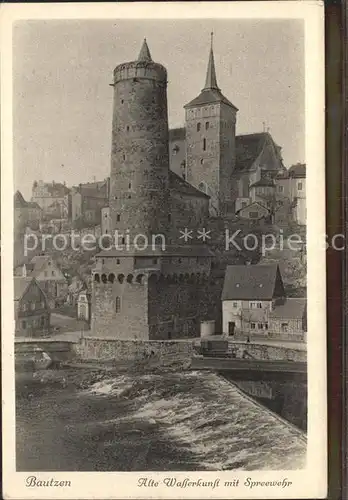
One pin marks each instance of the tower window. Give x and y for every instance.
(124, 156)
(122, 101)
(118, 304)
(169, 217)
(198, 127)
(206, 125)
(202, 161)
(123, 241)
(204, 144)
(130, 185)
(127, 128)
(118, 218)
(117, 261)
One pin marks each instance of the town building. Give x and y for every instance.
(32, 312)
(291, 184)
(48, 275)
(254, 305)
(51, 197)
(86, 202)
(26, 213)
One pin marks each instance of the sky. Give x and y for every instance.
(62, 101)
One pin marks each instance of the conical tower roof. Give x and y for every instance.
(210, 80)
(211, 92)
(144, 54)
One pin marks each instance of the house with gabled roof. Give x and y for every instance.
(32, 311)
(254, 304)
(49, 276)
(253, 211)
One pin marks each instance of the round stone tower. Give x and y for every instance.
(139, 157)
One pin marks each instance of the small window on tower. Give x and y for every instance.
(127, 128)
(206, 125)
(130, 185)
(124, 156)
(118, 218)
(198, 127)
(118, 304)
(169, 217)
(122, 101)
(204, 144)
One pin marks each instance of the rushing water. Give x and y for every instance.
(168, 421)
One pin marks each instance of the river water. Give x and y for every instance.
(136, 422)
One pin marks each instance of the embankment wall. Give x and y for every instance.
(123, 350)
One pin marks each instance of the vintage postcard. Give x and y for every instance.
(163, 250)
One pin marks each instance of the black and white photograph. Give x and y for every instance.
(167, 313)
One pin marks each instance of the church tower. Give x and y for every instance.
(139, 156)
(210, 141)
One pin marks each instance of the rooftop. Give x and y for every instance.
(293, 308)
(298, 171)
(251, 282)
(20, 286)
(179, 184)
(157, 251)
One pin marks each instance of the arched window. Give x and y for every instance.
(118, 304)
(104, 278)
(204, 144)
(198, 127)
(118, 217)
(97, 278)
(111, 277)
(206, 125)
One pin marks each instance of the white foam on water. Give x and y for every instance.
(110, 387)
(208, 417)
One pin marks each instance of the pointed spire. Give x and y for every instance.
(210, 81)
(144, 54)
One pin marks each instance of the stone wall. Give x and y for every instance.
(259, 351)
(177, 309)
(126, 321)
(102, 349)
